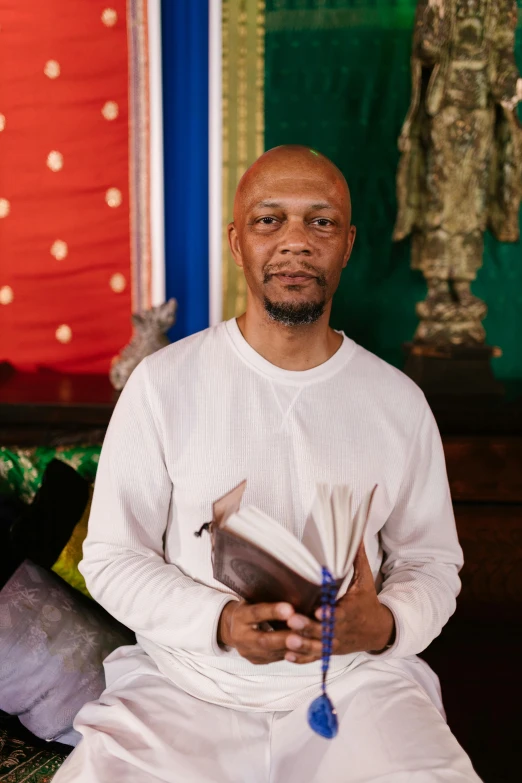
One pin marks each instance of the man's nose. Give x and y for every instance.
(295, 240)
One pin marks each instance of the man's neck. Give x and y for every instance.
(290, 347)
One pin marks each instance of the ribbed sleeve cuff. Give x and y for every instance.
(395, 650)
(215, 647)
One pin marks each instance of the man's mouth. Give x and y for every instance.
(294, 277)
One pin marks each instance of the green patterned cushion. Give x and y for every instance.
(21, 470)
(21, 474)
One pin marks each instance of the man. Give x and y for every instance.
(281, 399)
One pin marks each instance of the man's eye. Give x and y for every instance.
(267, 221)
(322, 222)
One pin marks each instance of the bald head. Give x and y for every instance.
(293, 163)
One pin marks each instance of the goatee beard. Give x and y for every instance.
(290, 314)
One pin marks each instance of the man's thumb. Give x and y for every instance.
(361, 566)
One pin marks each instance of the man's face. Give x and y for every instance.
(292, 237)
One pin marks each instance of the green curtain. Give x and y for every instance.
(337, 78)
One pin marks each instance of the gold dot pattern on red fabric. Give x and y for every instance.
(55, 160)
(113, 197)
(118, 283)
(110, 110)
(59, 249)
(6, 295)
(64, 334)
(109, 17)
(2, 122)
(52, 69)
(66, 157)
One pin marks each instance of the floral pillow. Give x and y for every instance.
(53, 642)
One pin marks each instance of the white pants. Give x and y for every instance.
(144, 729)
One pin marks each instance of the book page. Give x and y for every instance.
(341, 501)
(318, 535)
(358, 528)
(359, 523)
(333, 532)
(228, 504)
(254, 525)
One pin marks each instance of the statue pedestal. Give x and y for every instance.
(453, 370)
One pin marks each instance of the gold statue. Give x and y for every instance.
(461, 165)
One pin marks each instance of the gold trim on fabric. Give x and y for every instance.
(139, 155)
(243, 77)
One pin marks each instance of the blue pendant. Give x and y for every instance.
(322, 717)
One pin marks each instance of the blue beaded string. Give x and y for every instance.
(328, 595)
(322, 717)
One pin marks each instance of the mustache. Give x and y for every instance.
(304, 268)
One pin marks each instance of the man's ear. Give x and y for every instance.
(233, 241)
(351, 239)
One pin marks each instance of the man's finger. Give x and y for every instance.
(254, 614)
(296, 643)
(298, 658)
(304, 626)
(362, 578)
(339, 610)
(269, 642)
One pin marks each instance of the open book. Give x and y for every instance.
(262, 561)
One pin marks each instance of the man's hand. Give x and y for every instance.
(241, 626)
(362, 623)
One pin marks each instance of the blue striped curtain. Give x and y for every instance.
(185, 125)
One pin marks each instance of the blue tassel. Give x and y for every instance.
(322, 717)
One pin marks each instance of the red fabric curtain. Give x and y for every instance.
(65, 267)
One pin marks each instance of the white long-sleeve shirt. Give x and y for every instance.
(201, 415)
